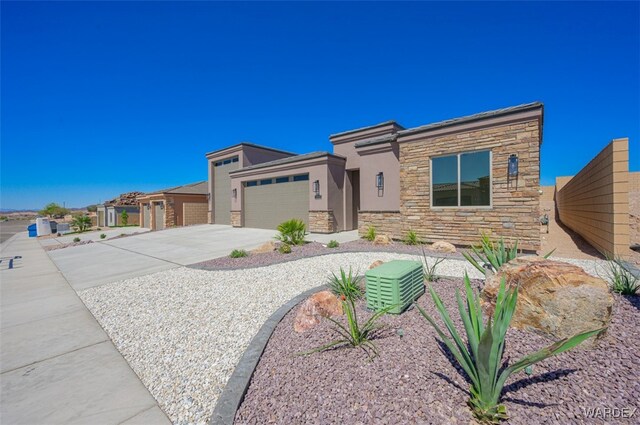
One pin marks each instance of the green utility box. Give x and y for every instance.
(398, 282)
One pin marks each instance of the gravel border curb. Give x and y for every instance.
(229, 401)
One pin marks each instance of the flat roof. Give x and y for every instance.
(343, 133)
(253, 145)
(288, 160)
(377, 140)
(474, 117)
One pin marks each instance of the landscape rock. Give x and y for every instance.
(442, 246)
(314, 308)
(265, 247)
(376, 264)
(555, 299)
(382, 240)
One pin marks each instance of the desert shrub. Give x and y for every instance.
(493, 253)
(76, 239)
(429, 270)
(285, 248)
(81, 223)
(238, 253)
(124, 217)
(102, 236)
(292, 232)
(347, 285)
(481, 356)
(619, 278)
(371, 234)
(333, 244)
(412, 238)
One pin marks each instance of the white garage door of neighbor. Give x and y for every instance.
(146, 216)
(222, 190)
(266, 206)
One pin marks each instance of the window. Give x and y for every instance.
(461, 180)
(265, 181)
(252, 183)
(234, 159)
(301, 178)
(282, 179)
(226, 161)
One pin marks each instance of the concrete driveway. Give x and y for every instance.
(107, 261)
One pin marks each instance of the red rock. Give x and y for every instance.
(314, 308)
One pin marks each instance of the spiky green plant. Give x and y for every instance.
(102, 236)
(481, 357)
(285, 248)
(347, 285)
(333, 244)
(489, 252)
(353, 334)
(238, 253)
(429, 270)
(620, 279)
(292, 232)
(81, 223)
(371, 234)
(412, 238)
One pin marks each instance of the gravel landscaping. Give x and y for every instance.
(413, 382)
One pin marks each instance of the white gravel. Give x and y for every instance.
(184, 330)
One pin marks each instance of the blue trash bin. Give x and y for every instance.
(32, 230)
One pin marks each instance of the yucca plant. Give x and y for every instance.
(347, 285)
(620, 279)
(481, 357)
(490, 252)
(353, 334)
(429, 270)
(371, 234)
(412, 238)
(292, 232)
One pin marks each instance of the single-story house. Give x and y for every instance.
(109, 214)
(448, 180)
(177, 206)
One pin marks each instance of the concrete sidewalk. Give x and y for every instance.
(57, 364)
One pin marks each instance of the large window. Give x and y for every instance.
(462, 180)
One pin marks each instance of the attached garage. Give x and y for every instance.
(177, 206)
(222, 189)
(269, 202)
(146, 216)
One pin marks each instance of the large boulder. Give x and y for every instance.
(555, 299)
(265, 247)
(382, 240)
(314, 308)
(442, 246)
(376, 264)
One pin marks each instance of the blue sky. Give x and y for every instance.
(103, 98)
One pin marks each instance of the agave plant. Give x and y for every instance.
(292, 232)
(490, 252)
(481, 357)
(412, 238)
(620, 279)
(347, 285)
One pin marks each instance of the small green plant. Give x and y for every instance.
(102, 236)
(292, 232)
(124, 217)
(346, 285)
(620, 279)
(99, 228)
(353, 334)
(76, 239)
(285, 248)
(333, 244)
(238, 253)
(81, 223)
(481, 357)
(371, 234)
(412, 238)
(429, 270)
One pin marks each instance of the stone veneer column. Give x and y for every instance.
(169, 213)
(236, 218)
(322, 222)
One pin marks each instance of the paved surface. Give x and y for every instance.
(341, 237)
(151, 252)
(93, 235)
(57, 364)
(12, 227)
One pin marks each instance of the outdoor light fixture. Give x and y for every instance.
(316, 188)
(513, 165)
(234, 193)
(161, 205)
(380, 180)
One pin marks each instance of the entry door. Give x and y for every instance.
(159, 215)
(222, 190)
(354, 177)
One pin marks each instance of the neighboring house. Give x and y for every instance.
(109, 214)
(449, 180)
(177, 206)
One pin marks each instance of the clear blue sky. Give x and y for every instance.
(103, 98)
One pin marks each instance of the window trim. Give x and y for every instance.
(464, 207)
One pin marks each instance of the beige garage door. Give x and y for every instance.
(222, 190)
(146, 216)
(158, 212)
(267, 205)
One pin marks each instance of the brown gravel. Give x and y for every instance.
(65, 245)
(313, 249)
(413, 382)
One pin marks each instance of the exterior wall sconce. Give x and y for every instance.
(316, 188)
(513, 165)
(234, 193)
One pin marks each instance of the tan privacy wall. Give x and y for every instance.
(595, 202)
(634, 208)
(195, 213)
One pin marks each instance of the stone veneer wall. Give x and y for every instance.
(236, 218)
(322, 222)
(170, 213)
(194, 213)
(515, 211)
(385, 222)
